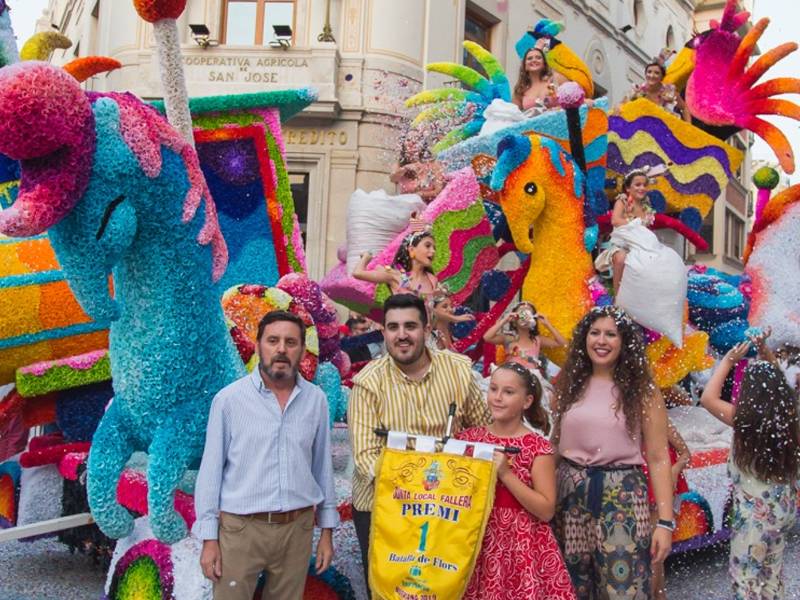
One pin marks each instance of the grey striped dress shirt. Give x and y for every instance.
(259, 459)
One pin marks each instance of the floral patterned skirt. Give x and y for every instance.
(604, 533)
(760, 525)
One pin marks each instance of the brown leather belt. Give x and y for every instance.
(280, 518)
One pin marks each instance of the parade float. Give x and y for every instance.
(550, 174)
(106, 292)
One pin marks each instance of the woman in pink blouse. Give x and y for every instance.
(607, 408)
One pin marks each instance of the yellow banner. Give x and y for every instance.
(428, 522)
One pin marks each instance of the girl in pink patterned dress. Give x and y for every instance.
(519, 558)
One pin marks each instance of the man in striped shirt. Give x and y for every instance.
(266, 473)
(410, 389)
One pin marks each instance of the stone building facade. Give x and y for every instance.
(348, 138)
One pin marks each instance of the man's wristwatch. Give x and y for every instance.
(666, 524)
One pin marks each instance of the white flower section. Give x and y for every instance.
(774, 266)
(189, 582)
(8, 43)
(40, 492)
(170, 64)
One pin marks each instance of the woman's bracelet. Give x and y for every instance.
(665, 524)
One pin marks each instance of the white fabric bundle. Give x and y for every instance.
(374, 219)
(499, 115)
(653, 286)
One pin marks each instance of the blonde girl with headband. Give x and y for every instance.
(519, 558)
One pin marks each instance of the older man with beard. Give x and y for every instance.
(266, 473)
(410, 389)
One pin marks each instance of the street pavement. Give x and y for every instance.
(45, 570)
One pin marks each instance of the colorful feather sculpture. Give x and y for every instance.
(469, 104)
(455, 102)
(721, 90)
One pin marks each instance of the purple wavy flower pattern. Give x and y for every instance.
(704, 184)
(677, 152)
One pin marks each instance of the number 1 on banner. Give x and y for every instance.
(423, 537)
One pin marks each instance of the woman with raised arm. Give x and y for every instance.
(412, 271)
(764, 466)
(518, 333)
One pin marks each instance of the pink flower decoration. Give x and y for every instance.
(68, 466)
(570, 95)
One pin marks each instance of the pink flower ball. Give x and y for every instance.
(570, 95)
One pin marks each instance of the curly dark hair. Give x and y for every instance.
(524, 80)
(403, 257)
(632, 376)
(535, 413)
(766, 431)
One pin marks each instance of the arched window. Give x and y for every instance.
(670, 41)
(638, 14)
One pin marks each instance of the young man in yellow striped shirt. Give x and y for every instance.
(409, 389)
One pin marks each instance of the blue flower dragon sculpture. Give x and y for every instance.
(118, 190)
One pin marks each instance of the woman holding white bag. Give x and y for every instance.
(653, 289)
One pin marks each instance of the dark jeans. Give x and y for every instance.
(362, 520)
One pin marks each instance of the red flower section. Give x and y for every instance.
(155, 10)
(345, 510)
(39, 410)
(243, 344)
(10, 405)
(46, 440)
(51, 454)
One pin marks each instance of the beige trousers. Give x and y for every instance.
(249, 545)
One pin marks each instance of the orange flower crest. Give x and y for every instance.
(155, 10)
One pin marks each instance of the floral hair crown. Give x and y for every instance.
(649, 171)
(615, 312)
(441, 293)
